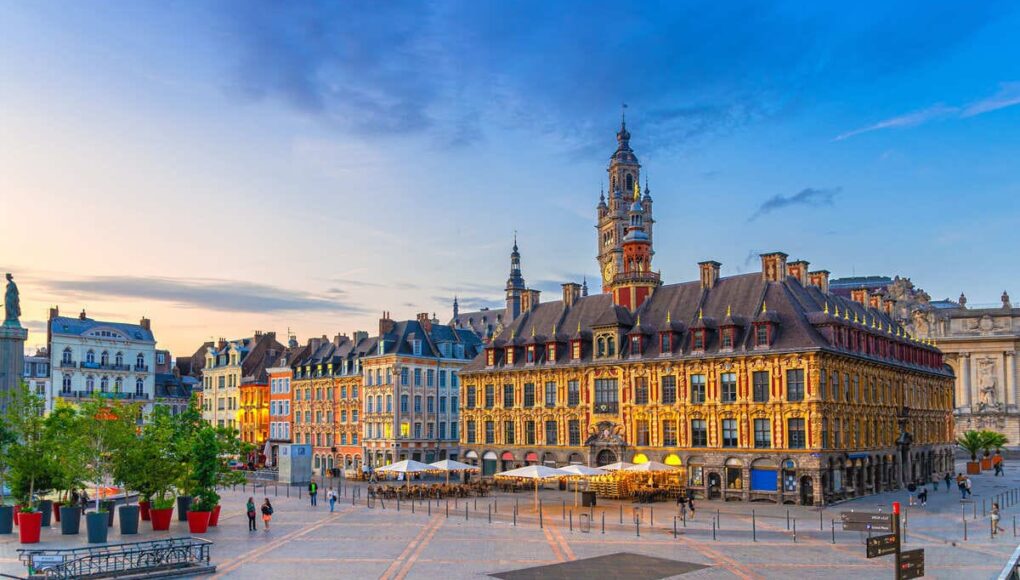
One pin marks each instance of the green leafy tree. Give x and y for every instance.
(64, 435)
(31, 457)
(186, 426)
(150, 464)
(971, 442)
(107, 429)
(231, 447)
(206, 459)
(993, 440)
(7, 442)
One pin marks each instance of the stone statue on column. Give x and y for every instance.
(12, 303)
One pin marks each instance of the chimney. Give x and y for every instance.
(360, 335)
(709, 273)
(386, 325)
(875, 300)
(798, 270)
(571, 292)
(145, 323)
(55, 312)
(221, 343)
(425, 321)
(258, 335)
(888, 304)
(773, 266)
(820, 279)
(529, 300)
(859, 295)
(82, 316)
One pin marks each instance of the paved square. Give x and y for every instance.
(621, 565)
(749, 541)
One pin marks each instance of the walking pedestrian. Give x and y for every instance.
(948, 478)
(313, 493)
(690, 505)
(995, 520)
(267, 513)
(997, 462)
(251, 515)
(961, 482)
(922, 496)
(331, 496)
(967, 486)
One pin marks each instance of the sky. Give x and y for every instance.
(222, 167)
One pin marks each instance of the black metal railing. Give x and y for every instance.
(141, 368)
(68, 364)
(175, 554)
(102, 394)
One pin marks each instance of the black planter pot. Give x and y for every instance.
(183, 505)
(128, 519)
(70, 520)
(96, 522)
(6, 519)
(46, 509)
(110, 509)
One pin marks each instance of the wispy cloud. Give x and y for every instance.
(812, 197)
(1008, 95)
(909, 120)
(223, 295)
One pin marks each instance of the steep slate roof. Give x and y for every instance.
(397, 341)
(749, 298)
(482, 322)
(169, 386)
(79, 326)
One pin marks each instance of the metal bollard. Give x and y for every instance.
(563, 509)
(964, 530)
(447, 508)
(651, 516)
(540, 522)
(490, 514)
(603, 521)
(787, 519)
(754, 528)
(821, 526)
(621, 514)
(794, 530)
(983, 508)
(674, 527)
(515, 517)
(398, 503)
(834, 530)
(718, 520)
(713, 529)
(430, 509)
(571, 520)
(637, 527)
(465, 512)
(412, 506)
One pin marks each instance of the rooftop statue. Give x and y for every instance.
(12, 303)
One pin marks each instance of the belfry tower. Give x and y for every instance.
(614, 214)
(515, 286)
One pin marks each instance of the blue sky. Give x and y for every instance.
(227, 166)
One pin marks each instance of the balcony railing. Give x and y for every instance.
(606, 408)
(103, 395)
(99, 366)
(68, 364)
(141, 368)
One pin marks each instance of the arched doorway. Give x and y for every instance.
(489, 463)
(807, 491)
(605, 457)
(714, 486)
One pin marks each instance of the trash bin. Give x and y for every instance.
(588, 498)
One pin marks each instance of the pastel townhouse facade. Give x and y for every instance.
(228, 366)
(280, 399)
(36, 374)
(112, 359)
(411, 384)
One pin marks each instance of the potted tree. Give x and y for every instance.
(7, 440)
(971, 442)
(159, 449)
(30, 459)
(108, 427)
(69, 472)
(988, 439)
(205, 457)
(231, 447)
(186, 427)
(996, 441)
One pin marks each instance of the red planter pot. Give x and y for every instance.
(17, 511)
(56, 510)
(973, 467)
(31, 525)
(161, 519)
(986, 463)
(143, 509)
(198, 522)
(214, 519)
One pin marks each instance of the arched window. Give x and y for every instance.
(118, 384)
(611, 346)
(140, 361)
(104, 384)
(90, 383)
(403, 403)
(90, 357)
(104, 359)
(369, 409)
(67, 383)
(601, 347)
(119, 359)
(630, 183)
(66, 356)
(389, 403)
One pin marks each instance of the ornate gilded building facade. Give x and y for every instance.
(758, 386)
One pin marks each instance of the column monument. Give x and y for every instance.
(12, 343)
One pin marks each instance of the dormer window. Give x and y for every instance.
(509, 355)
(575, 350)
(600, 349)
(530, 354)
(762, 335)
(550, 353)
(666, 343)
(727, 339)
(698, 339)
(635, 344)
(416, 347)
(490, 357)
(610, 346)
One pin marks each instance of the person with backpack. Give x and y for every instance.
(267, 513)
(331, 496)
(948, 478)
(996, 528)
(313, 493)
(922, 496)
(251, 515)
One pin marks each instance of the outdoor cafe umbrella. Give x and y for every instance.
(538, 473)
(407, 466)
(649, 466)
(449, 465)
(617, 466)
(579, 472)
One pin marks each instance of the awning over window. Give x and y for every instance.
(531, 456)
(471, 455)
(489, 455)
(507, 456)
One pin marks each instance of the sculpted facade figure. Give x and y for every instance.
(988, 386)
